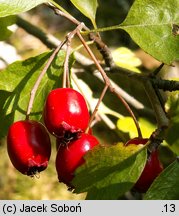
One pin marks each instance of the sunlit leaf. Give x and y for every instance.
(9, 7)
(165, 186)
(151, 24)
(87, 7)
(124, 57)
(5, 22)
(110, 171)
(127, 125)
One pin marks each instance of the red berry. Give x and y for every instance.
(151, 170)
(65, 111)
(70, 157)
(28, 146)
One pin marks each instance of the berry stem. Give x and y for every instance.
(108, 84)
(37, 83)
(66, 82)
(69, 37)
(102, 116)
(102, 47)
(97, 106)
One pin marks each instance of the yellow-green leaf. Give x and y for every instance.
(125, 58)
(127, 125)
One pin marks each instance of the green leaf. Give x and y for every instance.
(127, 125)
(5, 22)
(165, 186)
(151, 25)
(9, 7)
(16, 83)
(87, 7)
(110, 171)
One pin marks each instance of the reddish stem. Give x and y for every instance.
(37, 83)
(69, 37)
(97, 106)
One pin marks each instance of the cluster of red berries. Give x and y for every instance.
(66, 116)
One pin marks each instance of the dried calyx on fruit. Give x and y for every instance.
(69, 138)
(70, 157)
(65, 113)
(29, 147)
(151, 170)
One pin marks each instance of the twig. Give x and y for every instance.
(166, 85)
(104, 50)
(162, 120)
(66, 15)
(157, 70)
(35, 31)
(4, 61)
(102, 47)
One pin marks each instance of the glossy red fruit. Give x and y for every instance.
(70, 157)
(65, 112)
(151, 170)
(28, 146)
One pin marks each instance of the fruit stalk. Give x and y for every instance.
(96, 108)
(37, 83)
(69, 37)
